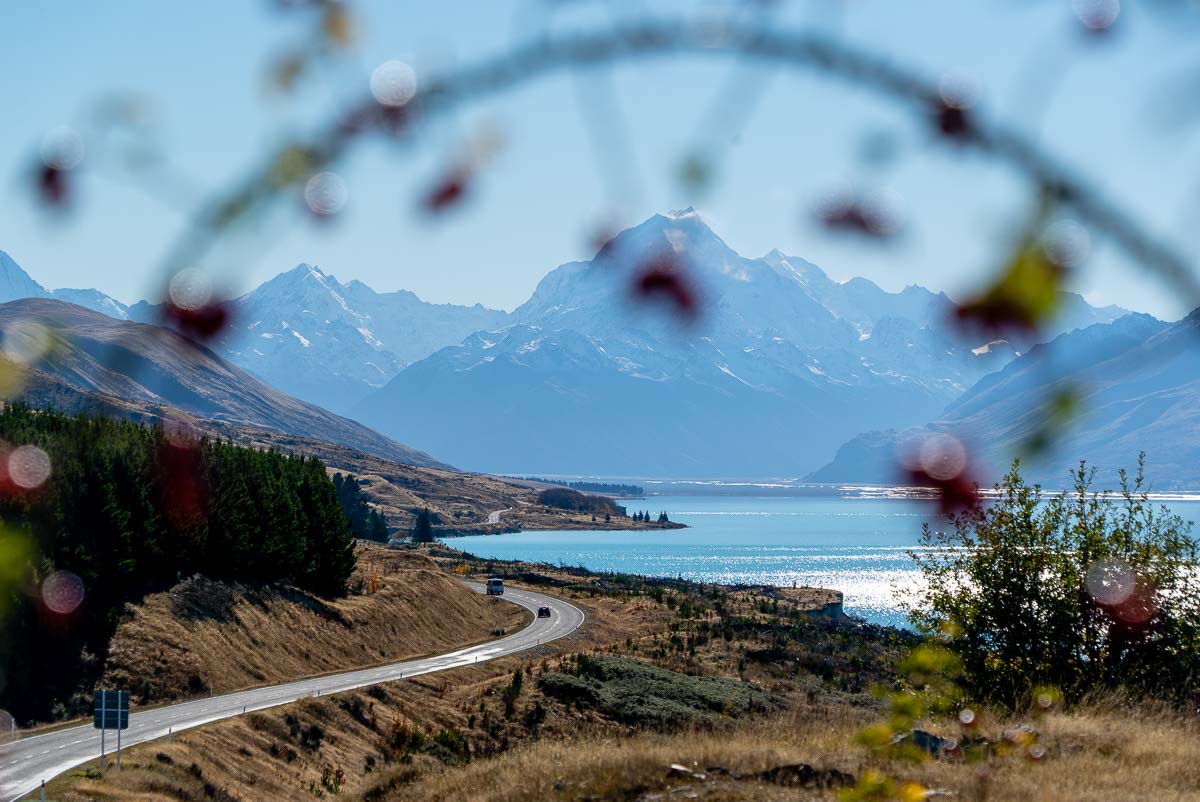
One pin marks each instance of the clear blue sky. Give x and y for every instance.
(204, 64)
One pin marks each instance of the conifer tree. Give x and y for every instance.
(130, 511)
(363, 520)
(423, 529)
(378, 530)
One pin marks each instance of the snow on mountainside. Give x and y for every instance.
(332, 343)
(132, 365)
(1138, 384)
(304, 332)
(782, 367)
(15, 284)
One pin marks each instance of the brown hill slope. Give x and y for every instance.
(133, 365)
(473, 733)
(107, 367)
(462, 502)
(203, 635)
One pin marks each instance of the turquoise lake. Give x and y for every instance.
(857, 545)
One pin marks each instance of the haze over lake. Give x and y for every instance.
(856, 542)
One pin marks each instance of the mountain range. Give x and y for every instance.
(15, 284)
(99, 363)
(1134, 385)
(782, 366)
(304, 332)
(330, 343)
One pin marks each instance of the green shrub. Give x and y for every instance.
(1079, 591)
(565, 499)
(639, 694)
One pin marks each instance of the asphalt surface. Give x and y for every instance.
(26, 762)
(494, 517)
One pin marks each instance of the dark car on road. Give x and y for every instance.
(543, 612)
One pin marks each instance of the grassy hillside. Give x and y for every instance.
(462, 502)
(98, 513)
(154, 366)
(1100, 755)
(206, 636)
(798, 695)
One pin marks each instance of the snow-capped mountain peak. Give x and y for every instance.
(15, 284)
(340, 340)
(781, 363)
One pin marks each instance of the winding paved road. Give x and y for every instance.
(494, 517)
(26, 762)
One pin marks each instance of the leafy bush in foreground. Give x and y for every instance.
(1080, 591)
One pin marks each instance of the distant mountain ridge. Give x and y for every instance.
(303, 331)
(123, 367)
(1138, 384)
(784, 365)
(15, 284)
(310, 335)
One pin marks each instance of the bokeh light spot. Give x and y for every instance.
(326, 194)
(1097, 15)
(28, 467)
(62, 148)
(1067, 243)
(393, 83)
(958, 90)
(1110, 581)
(62, 592)
(190, 289)
(942, 456)
(26, 341)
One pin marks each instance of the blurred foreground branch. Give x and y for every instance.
(958, 124)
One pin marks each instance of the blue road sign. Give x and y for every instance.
(111, 710)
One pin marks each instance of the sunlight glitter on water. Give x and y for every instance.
(815, 542)
(859, 546)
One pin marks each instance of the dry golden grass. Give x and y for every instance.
(449, 699)
(462, 501)
(265, 755)
(204, 635)
(1094, 756)
(1102, 753)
